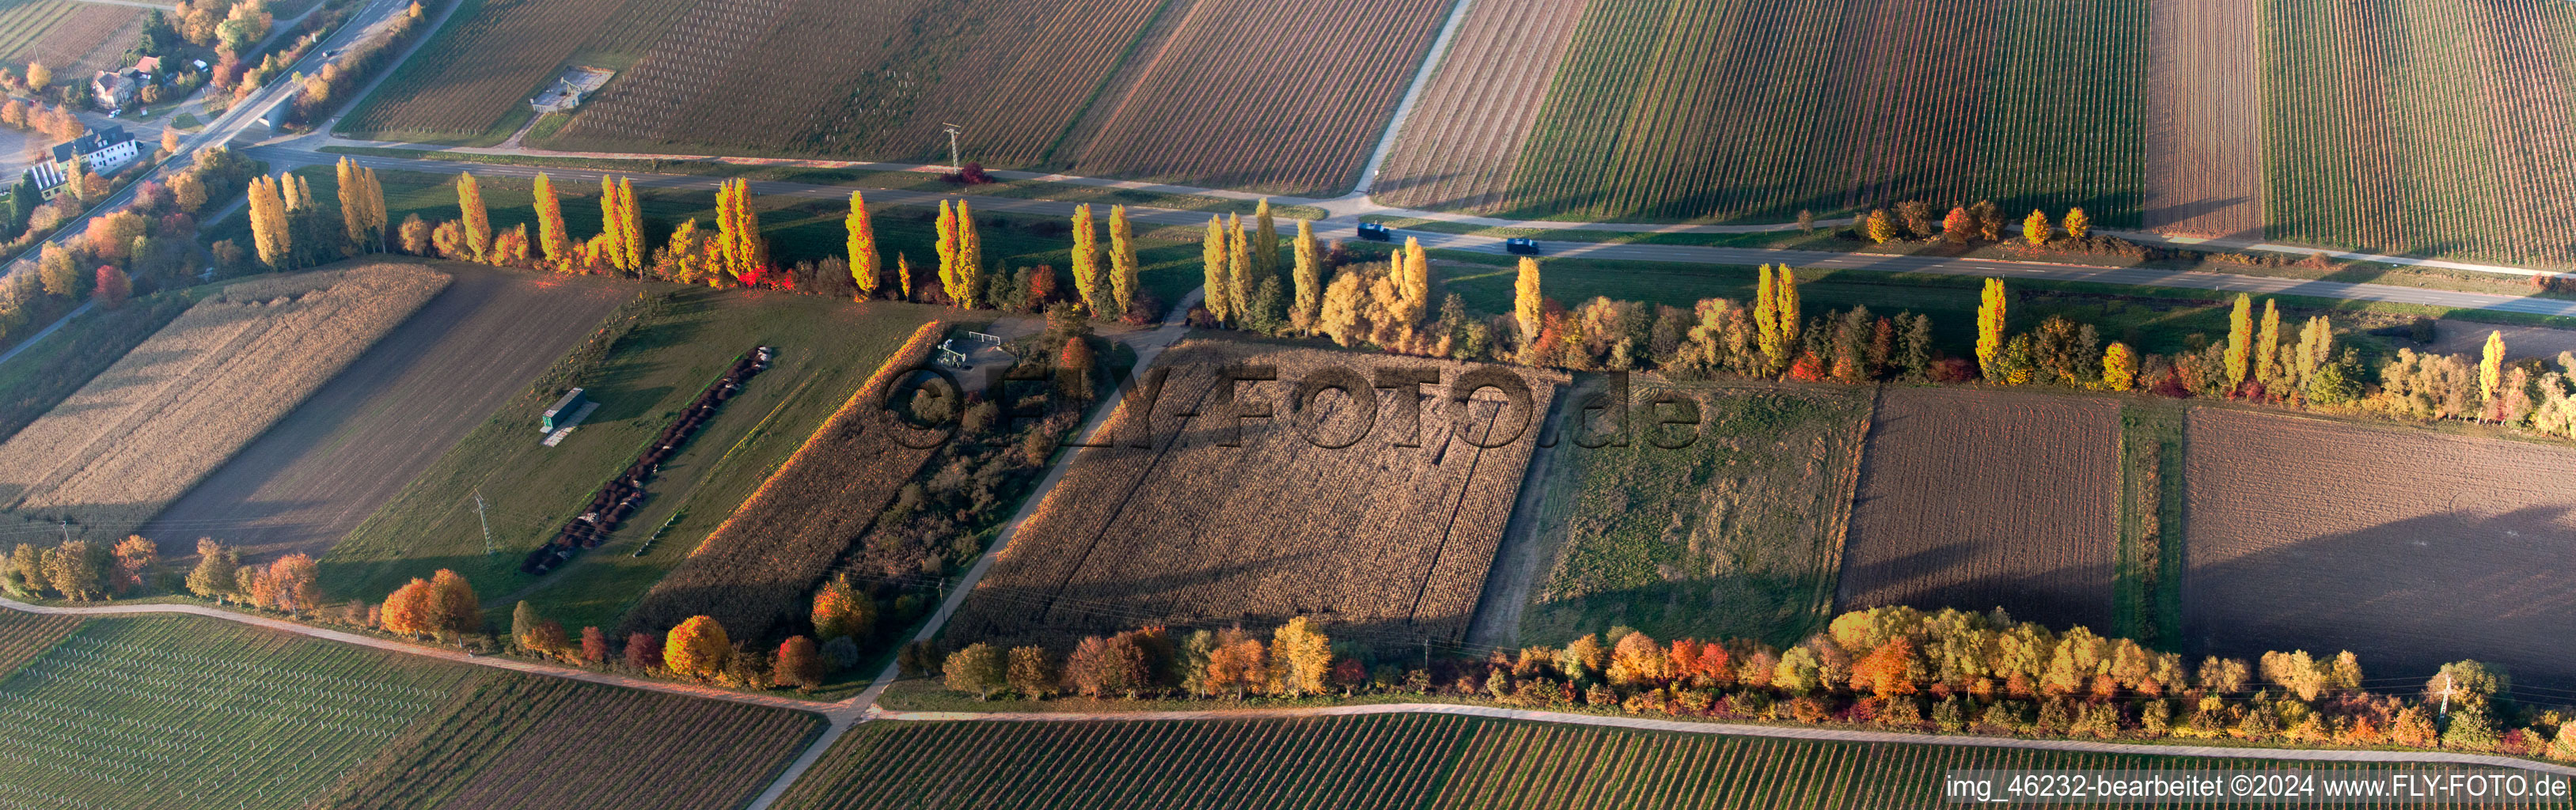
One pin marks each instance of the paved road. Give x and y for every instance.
(281, 156)
(67, 317)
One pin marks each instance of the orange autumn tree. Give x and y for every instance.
(406, 611)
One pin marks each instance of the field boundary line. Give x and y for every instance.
(832, 711)
(1412, 94)
(1739, 729)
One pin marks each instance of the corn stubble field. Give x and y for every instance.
(2421, 126)
(1375, 539)
(1739, 534)
(1978, 499)
(1407, 761)
(2409, 548)
(189, 712)
(1756, 109)
(151, 426)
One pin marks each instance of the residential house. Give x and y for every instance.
(102, 151)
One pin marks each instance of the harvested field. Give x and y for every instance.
(41, 377)
(2421, 126)
(1407, 761)
(2204, 119)
(2406, 547)
(562, 744)
(472, 81)
(151, 426)
(1735, 110)
(1461, 141)
(142, 713)
(307, 481)
(755, 570)
(75, 39)
(1373, 539)
(1737, 535)
(24, 636)
(1975, 499)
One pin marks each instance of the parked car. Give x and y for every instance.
(1521, 246)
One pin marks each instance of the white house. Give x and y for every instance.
(102, 151)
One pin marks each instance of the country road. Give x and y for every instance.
(281, 156)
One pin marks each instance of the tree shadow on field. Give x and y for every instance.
(1969, 574)
(636, 358)
(2406, 596)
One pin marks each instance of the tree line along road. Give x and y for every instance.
(281, 158)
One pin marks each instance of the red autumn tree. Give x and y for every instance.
(799, 665)
(594, 646)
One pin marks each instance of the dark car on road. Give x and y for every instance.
(1376, 232)
(1522, 246)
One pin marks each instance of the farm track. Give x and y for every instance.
(367, 432)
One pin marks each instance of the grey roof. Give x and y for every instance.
(92, 142)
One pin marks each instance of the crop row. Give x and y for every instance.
(1379, 761)
(2421, 125)
(152, 425)
(753, 572)
(815, 77)
(1229, 101)
(555, 743)
(1757, 109)
(479, 68)
(23, 636)
(111, 717)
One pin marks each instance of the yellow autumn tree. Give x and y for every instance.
(1123, 265)
(1218, 299)
(1527, 303)
(2077, 224)
(1300, 658)
(2035, 228)
(1990, 328)
(1086, 260)
(862, 247)
(2119, 367)
(697, 648)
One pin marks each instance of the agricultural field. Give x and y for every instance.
(753, 572)
(746, 73)
(1225, 100)
(1465, 134)
(24, 636)
(1737, 535)
(2421, 126)
(75, 39)
(139, 712)
(39, 378)
(1745, 110)
(647, 361)
(151, 426)
(304, 483)
(1977, 499)
(1375, 539)
(2408, 548)
(559, 743)
(471, 82)
(2204, 119)
(1404, 761)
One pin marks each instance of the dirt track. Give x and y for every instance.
(369, 431)
(2407, 547)
(1973, 499)
(2204, 118)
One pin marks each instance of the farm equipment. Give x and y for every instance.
(621, 496)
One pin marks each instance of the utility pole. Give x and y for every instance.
(67, 530)
(487, 522)
(954, 164)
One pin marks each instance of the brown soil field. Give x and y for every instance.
(1977, 499)
(339, 457)
(2204, 118)
(1375, 540)
(2406, 547)
(150, 427)
(1464, 136)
